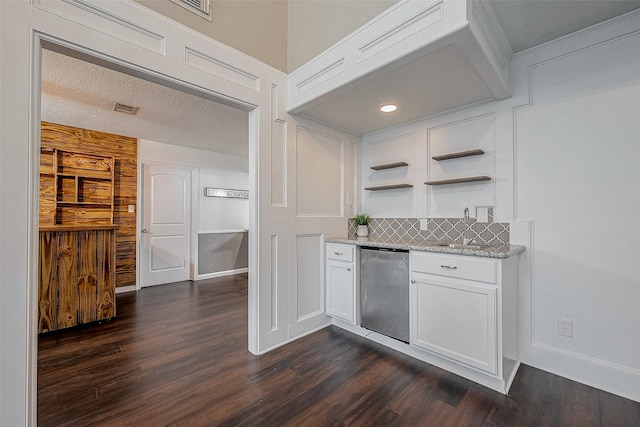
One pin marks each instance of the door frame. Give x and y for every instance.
(40, 40)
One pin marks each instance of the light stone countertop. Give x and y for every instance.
(502, 251)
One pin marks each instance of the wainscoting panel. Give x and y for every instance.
(320, 174)
(222, 251)
(310, 284)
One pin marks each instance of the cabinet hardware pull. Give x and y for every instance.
(339, 253)
(449, 267)
(413, 280)
(348, 269)
(144, 230)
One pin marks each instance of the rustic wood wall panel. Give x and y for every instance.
(124, 149)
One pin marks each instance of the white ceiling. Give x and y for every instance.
(528, 23)
(442, 81)
(80, 94)
(416, 88)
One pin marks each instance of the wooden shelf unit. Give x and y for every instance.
(388, 187)
(458, 180)
(77, 262)
(457, 155)
(76, 188)
(389, 166)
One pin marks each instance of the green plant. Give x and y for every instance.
(362, 219)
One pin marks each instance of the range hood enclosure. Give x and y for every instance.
(416, 54)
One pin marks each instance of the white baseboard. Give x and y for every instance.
(607, 376)
(294, 338)
(124, 289)
(490, 381)
(220, 274)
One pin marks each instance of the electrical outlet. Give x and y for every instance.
(482, 214)
(565, 327)
(131, 208)
(423, 224)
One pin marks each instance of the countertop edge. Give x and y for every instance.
(494, 252)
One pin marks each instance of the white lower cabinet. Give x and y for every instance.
(464, 315)
(342, 295)
(463, 311)
(456, 320)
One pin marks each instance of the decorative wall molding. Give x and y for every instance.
(279, 169)
(220, 69)
(112, 24)
(488, 23)
(311, 188)
(279, 164)
(274, 283)
(320, 77)
(310, 281)
(410, 26)
(528, 66)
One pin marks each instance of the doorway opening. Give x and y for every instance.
(198, 215)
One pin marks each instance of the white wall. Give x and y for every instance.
(257, 28)
(314, 26)
(416, 144)
(576, 141)
(562, 152)
(209, 214)
(214, 169)
(219, 214)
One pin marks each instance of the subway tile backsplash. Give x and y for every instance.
(438, 229)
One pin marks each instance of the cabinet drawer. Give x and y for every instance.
(340, 251)
(458, 266)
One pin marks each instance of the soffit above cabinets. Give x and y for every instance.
(426, 56)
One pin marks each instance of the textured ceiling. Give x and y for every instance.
(80, 94)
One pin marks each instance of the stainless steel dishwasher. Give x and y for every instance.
(384, 291)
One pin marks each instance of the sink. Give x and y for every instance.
(460, 246)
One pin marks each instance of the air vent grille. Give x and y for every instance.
(199, 7)
(127, 109)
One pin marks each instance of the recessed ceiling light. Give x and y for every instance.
(388, 108)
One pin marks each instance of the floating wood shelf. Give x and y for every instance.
(458, 180)
(389, 166)
(459, 154)
(64, 203)
(388, 187)
(77, 227)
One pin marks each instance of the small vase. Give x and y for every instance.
(363, 231)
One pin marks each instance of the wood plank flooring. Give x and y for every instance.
(176, 355)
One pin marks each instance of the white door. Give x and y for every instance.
(165, 228)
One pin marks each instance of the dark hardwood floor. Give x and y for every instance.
(176, 355)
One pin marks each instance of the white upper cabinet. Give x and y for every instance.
(425, 56)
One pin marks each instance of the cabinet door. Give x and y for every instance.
(456, 320)
(341, 291)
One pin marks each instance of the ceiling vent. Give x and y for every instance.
(127, 109)
(199, 7)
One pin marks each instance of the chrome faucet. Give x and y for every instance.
(466, 241)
